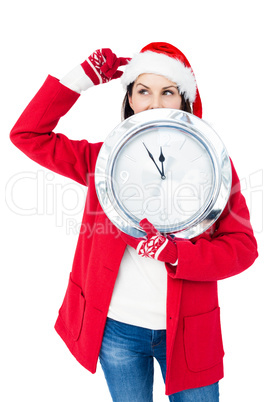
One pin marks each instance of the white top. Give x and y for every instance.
(139, 296)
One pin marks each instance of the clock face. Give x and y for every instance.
(159, 165)
(165, 200)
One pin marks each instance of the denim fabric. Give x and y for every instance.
(126, 358)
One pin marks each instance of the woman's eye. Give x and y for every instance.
(143, 91)
(168, 92)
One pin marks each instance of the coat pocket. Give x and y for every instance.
(72, 309)
(203, 340)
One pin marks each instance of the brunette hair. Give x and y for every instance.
(127, 110)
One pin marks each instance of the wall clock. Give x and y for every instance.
(165, 165)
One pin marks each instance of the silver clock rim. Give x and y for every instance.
(174, 118)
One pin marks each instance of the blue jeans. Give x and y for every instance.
(126, 358)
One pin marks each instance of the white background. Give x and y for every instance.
(226, 44)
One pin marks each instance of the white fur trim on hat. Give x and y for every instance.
(157, 63)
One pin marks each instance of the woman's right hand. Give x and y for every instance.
(100, 67)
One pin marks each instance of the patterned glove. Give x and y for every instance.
(100, 67)
(155, 245)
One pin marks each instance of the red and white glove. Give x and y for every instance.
(100, 67)
(155, 245)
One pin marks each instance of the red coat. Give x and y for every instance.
(194, 342)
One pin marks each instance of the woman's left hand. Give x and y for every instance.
(155, 245)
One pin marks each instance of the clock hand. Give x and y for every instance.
(162, 160)
(151, 156)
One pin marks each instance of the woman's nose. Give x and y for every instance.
(155, 103)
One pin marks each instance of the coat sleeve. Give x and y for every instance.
(229, 250)
(33, 134)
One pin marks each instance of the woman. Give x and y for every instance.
(122, 305)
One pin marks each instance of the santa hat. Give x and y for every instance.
(164, 59)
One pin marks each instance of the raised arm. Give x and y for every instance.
(33, 132)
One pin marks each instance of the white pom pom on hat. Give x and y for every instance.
(164, 59)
